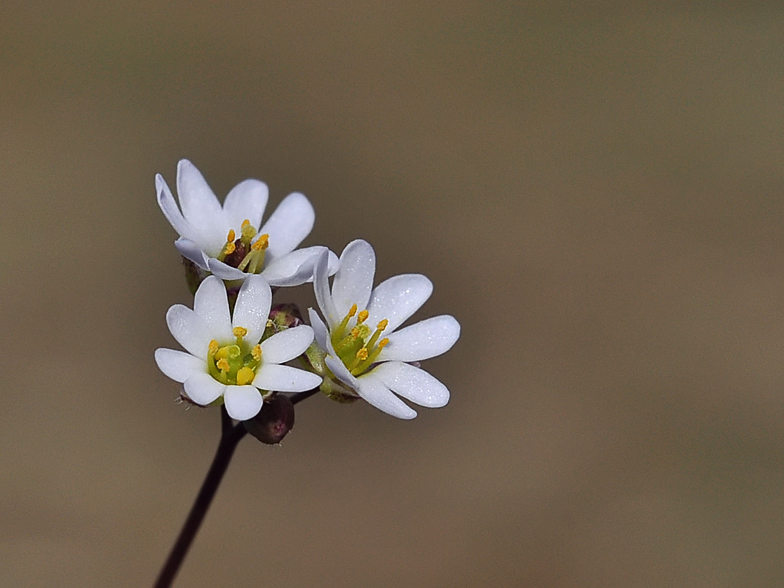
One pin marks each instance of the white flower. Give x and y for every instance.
(227, 241)
(363, 362)
(224, 357)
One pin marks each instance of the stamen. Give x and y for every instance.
(362, 317)
(213, 347)
(337, 332)
(245, 376)
(381, 326)
(239, 332)
(369, 359)
(360, 357)
(256, 352)
(261, 243)
(223, 365)
(229, 247)
(254, 260)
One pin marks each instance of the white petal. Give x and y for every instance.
(377, 394)
(203, 389)
(320, 333)
(190, 250)
(412, 383)
(354, 280)
(178, 365)
(341, 371)
(422, 340)
(321, 289)
(334, 263)
(247, 200)
(169, 207)
(189, 329)
(398, 298)
(200, 207)
(291, 222)
(225, 271)
(211, 304)
(252, 308)
(242, 402)
(283, 378)
(286, 345)
(292, 269)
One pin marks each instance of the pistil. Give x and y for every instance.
(233, 363)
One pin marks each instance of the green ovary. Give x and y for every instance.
(234, 364)
(358, 347)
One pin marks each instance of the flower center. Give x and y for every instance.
(244, 253)
(234, 363)
(358, 347)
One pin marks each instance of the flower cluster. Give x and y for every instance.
(237, 343)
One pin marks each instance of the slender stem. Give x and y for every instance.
(230, 437)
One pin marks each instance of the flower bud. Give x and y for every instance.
(285, 316)
(274, 421)
(194, 275)
(336, 392)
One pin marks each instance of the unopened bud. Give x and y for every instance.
(274, 421)
(194, 275)
(285, 316)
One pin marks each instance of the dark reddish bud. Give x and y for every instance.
(274, 421)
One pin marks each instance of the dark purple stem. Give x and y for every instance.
(231, 435)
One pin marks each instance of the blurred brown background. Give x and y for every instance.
(596, 190)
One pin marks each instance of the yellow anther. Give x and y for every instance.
(239, 332)
(213, 347)
(355, 332)
(245, 376)
(353, 310)
(382, 325)
(256, 352)
(229, 247)
(362, 354)
(245, 223)
(362, 317)
(261, 243)
(223, 365)
(383, 343)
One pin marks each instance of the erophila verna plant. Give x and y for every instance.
(237, 342)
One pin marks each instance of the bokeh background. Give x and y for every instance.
(596, 191)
